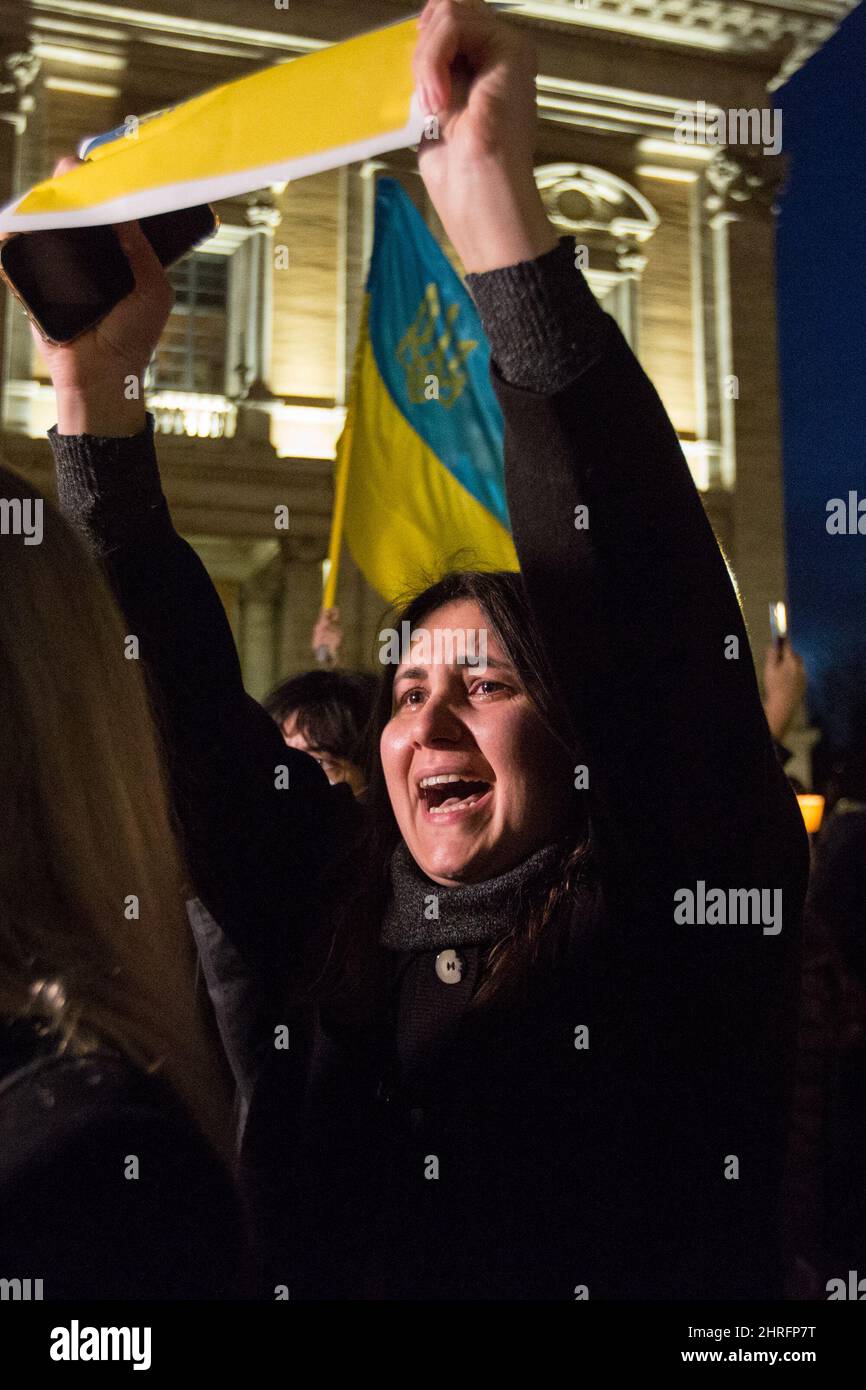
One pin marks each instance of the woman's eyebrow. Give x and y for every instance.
(490, 661)
(420, 673)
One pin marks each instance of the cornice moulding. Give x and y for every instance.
(777, 35)
(714, 26)
(745, 26)
(83, 17)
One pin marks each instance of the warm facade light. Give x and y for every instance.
(659, 171)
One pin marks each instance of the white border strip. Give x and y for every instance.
(168, 197)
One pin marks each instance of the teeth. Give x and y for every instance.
(442, 777)
(451, 803)
(454, 803)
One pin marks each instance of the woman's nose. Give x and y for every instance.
(436, 720)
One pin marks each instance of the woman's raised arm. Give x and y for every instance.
(627, 582)
(258, 819)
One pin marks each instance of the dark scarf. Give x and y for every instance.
(469, 915)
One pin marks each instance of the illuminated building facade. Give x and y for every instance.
(249, 386)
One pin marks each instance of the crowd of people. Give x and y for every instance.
(455, 1042)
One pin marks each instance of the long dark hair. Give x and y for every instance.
(84, 784)
(538, 938)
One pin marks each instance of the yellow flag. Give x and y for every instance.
(349, 102)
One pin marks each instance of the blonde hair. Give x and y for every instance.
(89, 834)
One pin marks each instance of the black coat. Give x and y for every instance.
(72, 1214)
(609, 1169)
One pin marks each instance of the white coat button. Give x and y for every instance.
(450, 967)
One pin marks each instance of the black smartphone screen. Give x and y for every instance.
(172, 234)
(68, 279)
(71, 278)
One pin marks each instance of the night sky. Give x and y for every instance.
(822, 322)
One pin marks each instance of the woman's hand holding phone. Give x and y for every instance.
(98, 378)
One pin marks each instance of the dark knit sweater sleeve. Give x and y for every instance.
(633, 599)
(542, 321)
(108, 488)
(248, 806)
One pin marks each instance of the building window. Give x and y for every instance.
(615, 293)
(191, 355)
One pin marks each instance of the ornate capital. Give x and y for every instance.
(262, 213)
(17, 74)
(741, 183)
(22, 68)
(629, 261)
(303, 549)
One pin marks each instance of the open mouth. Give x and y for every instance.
(449, 794)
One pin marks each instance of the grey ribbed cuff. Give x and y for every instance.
(107, 488)
(544, 324)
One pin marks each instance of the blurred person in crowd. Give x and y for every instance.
(824, 1198)
(521, 1074)
(837, 900)
(327, 637)
(104, 1063)
(840, 717)
(784, 688)
(326, 713)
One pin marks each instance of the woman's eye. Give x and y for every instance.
(406, 697)
(487, 688)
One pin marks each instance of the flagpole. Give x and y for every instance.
(341, 476)
(335, 544)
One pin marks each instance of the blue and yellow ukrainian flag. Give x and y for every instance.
(420, 462)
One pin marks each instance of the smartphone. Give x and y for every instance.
(778, 623)
(70, 278)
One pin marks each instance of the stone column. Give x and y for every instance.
(740, 208)
(358, 192)
(299, 603)
(705, 312)
(258, 645)
(260, 597)
(9, 131)
(18, 71)
(742, 211)
(357, 188)
(257, 398)
(265, 218)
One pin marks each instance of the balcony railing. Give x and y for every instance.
(192, 415)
